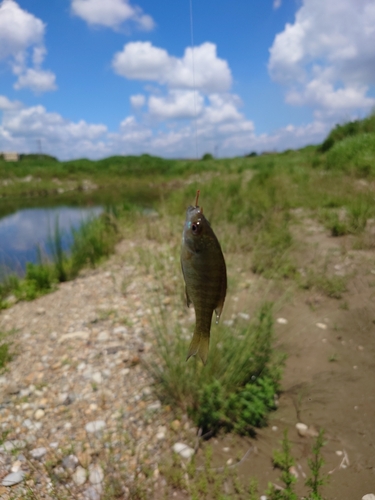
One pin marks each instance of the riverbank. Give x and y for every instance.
(79, 414)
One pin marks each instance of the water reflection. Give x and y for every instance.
(24, 231)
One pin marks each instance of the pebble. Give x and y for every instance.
(369, 496)
(38, 453)
(70, 462)
(39, 414)
(282, 321)
(16, 466)
(95, 426)
(244, 316)
(96, 474)
(323, 326)
(82, 335)
(13, 478)
(17, 444)
(93, 492)
(302, 429)
(103, 336)
(97, 378)
(79, 476)
(183, 449)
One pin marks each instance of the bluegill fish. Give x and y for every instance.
(205, 275)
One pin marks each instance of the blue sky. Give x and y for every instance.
(93, 78)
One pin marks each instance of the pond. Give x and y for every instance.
(27, 232)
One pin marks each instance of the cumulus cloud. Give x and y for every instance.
(22, 126)
(21, 39)
(143, 61)
(37, 80)
(221, 128)
(178, 104)
(137, 100)
(111, 13)
(326, 58)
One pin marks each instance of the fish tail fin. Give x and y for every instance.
(199, 345)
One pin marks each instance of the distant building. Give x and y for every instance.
(11, 156)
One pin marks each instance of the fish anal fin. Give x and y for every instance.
(188, 301)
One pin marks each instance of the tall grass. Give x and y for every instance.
(237, 387)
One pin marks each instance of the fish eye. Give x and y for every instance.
(195, 227)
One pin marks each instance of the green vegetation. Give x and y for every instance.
(284, 461)
(349, 129)
(237, 388)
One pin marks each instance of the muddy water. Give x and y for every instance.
(28, 232)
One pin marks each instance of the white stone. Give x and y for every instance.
(244, 316)
(38, 453)
(369, 496)
(16, 444)
(95, 426)
(282, 321)
(81, 335)
(96, 474)
(97, 378)
(103, 336)
(39, 414)
(120, 330)
(302, 429)
(79, 476)
(322, 326)
(13, 478)
(183, 449)
(16, 466)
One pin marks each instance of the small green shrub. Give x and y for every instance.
(284, 460)
(207, 156)
(235, 390)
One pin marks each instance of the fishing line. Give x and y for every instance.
(194, 87)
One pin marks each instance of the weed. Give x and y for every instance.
(316, 480)
(284, 460)
(236, 389)
(5, 355)
(331, 286)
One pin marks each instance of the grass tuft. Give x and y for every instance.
(235, 390)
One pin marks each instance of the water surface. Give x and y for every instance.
(23, 232)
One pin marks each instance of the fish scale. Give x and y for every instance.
(204, 271)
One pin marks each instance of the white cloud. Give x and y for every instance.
(221, 128)
(179, 104)
(111, 13)
(137, 100)
(143, 61)
(276, 4)
(21, 31)
(18, 29)
(22, 126)
(7, 105)
(37, 80)
(326, 58)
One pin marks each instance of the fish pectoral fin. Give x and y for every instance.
(218, 311)
(188, 301)
(199, 345)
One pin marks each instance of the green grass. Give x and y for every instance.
(235, 390)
